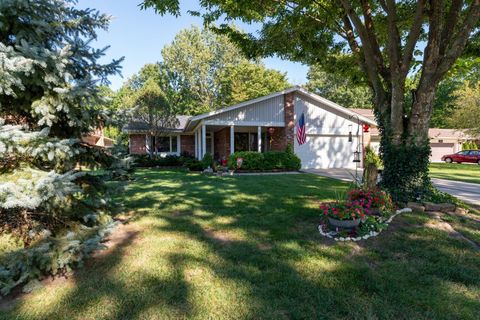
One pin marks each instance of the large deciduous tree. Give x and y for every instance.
(207, 71)
(467, 112)
(338, 88)
(201, 71)
(388, 39)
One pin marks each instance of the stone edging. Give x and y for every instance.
(332, 234)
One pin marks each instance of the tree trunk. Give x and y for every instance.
(405, 148)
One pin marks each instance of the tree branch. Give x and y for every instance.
(412, 37)
(369, 54)
(449, 27)
(393, 38)
(460, 39)
(370, 30)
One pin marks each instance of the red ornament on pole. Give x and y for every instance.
(366, 127)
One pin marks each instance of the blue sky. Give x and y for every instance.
(140, 35)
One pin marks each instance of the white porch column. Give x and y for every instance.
(195, 144)
(199, 146)
(259, 139)
(232, 139)
(204, 140)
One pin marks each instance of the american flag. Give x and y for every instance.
(301, 130)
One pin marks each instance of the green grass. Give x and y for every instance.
(248, 248)
(455, 171)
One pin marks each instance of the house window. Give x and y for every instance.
(245, 141)
(165, 143)
(174, 141)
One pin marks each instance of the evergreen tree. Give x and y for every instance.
(49, 97)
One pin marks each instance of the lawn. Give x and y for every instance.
(248, 248)
(455, 171)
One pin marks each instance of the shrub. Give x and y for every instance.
(54, 255)
(193, 164)
(272, 160)
(146, 160)
(207, 161)
(372, 157)
(251, 160)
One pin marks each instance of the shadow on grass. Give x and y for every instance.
(257, 237)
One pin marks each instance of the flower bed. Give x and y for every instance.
(371, 228)
(364, 213)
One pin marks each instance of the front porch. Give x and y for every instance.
(222, 140)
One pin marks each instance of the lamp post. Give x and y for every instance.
(356, 153)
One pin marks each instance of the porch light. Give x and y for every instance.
(356, 156)
(350, 136)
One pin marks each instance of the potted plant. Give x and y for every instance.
(346, 215)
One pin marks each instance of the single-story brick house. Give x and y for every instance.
(333, 133)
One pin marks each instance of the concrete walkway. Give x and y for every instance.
(467, 192)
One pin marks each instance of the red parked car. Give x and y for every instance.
(472, 156)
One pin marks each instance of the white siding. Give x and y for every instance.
(326, 152)
(321, 119)
(270, 111)
(327, 143)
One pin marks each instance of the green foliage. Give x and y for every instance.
(51, 93)
(467, 108)
(372, 157)
(193, 164)
(372, 223)
(158, 161)
(207, 161)
(272, 160)
(54, 255)
(202, 71)
(469, 145)
(339, 88)
(466, 69)
(381, 39)
(405, 174)
(248, 80)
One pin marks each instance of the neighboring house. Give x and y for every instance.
(98, 139)
(264, 124)
(442, 141)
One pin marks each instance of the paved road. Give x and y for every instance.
(468, 192)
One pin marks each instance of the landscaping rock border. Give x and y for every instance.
(331, 234)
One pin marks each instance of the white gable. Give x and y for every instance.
(267, 111)
(321, 119)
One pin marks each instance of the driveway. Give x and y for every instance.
(467, 192)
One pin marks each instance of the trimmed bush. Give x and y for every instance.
(193, 164)
(272, 160)
(207, 161)
(146, 160)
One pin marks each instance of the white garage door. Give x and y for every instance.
(324, 152)
(439, 150)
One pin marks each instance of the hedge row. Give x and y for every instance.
(272, 160)
(147, 161)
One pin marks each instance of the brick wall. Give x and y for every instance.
(137, 144)
(221, 141)
(289, 111)
(279, 142)
(187, 144)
